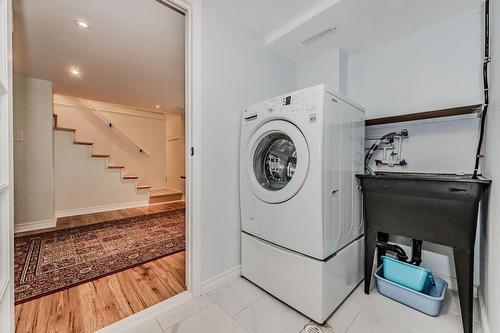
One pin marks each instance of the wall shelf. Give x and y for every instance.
(457, 111)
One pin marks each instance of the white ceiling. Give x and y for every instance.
(267, 16)
(133, 53)
(360, 24)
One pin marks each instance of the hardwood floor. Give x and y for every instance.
(93, 305)
(75, 221)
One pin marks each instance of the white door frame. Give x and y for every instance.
(6, 171)
(192, 10)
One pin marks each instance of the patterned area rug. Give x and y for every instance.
(56, 260)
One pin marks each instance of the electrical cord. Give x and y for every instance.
(486, 62)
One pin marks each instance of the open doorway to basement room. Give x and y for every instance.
(101, 162)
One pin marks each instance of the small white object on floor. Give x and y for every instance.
(312, 328)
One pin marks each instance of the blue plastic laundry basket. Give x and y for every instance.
(408, 275)
(429, 303)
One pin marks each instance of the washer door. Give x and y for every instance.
(277, 160)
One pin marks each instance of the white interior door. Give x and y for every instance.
(6, 171)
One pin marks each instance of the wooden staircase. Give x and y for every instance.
(125, 177)
(165, 194)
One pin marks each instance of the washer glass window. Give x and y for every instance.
(275, 161)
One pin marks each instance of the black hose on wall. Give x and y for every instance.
(486, 62)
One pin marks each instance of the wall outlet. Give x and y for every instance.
(18, 136)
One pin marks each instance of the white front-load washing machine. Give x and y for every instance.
(300, 200)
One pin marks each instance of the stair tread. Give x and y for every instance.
(143, 186)
(130, 177)
(163, 195)
(114, 166)
(83, 143)
(157, 192)
(100, 155)
(64, 129)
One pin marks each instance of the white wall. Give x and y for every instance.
(131, 128)
(329, 68)
(442, 145)
(33, 154)
(175, 152)
(434, 68)
(237, 70)
(490, 263)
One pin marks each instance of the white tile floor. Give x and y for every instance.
(241, 307)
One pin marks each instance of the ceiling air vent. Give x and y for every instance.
(319, 35)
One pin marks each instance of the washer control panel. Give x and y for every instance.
(305, 100)
(301, 101)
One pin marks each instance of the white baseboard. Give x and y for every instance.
(483, 315)
(99, 209)
(162, 203)
(221, 279)
(35, 225)
(148, 313)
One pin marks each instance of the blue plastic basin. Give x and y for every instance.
(408, 275)
(429, 303)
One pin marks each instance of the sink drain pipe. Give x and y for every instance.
(416, 251)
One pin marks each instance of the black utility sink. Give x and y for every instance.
(440, 208)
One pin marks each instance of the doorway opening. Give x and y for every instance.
(100, 160)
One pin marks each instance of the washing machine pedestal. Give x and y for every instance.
(313, 287)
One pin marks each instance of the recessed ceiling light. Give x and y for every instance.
(157, 106)
(81, 24)
(75, 72)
